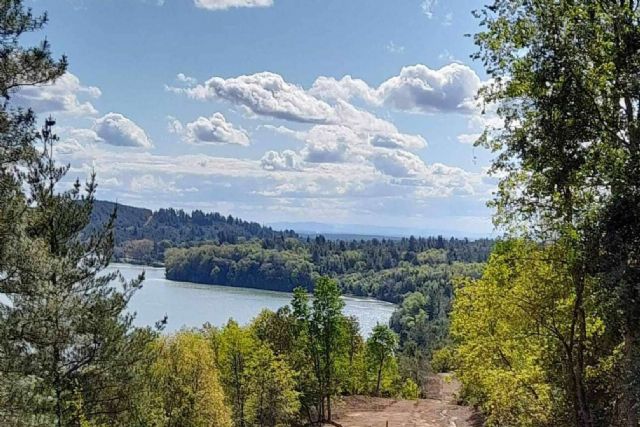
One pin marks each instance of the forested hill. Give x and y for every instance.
(417, 273)
(143, 235)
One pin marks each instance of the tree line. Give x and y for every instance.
(143, 236)
(550, 335)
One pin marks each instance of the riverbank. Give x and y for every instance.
(191, 305)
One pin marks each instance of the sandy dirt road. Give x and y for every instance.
(439, 410)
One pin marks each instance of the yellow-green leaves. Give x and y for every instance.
(512, 327)
(183, 386)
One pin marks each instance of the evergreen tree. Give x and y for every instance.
(66, 333)
(19, 66)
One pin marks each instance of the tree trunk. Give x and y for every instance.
(584, 418)
(629, 400)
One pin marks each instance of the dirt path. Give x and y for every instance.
(438, 411)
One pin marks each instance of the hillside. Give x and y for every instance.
(143, 235)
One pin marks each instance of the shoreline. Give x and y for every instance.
(347, 296)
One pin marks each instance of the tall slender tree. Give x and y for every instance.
(381, 346)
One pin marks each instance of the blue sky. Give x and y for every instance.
(330, 111)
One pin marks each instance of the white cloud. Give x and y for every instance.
(369, 126)
(228, 4)
(287, 160)
(265, 94)
(419, 88)
(349, 153)
(468, 138)
(183, 78)
(330, 144)
(398, 163)
(428, 7)
(416, 88)
(210, 130)
(116, 129)
(62, 96)
(328, 88)
(282, 186)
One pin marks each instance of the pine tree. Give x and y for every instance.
(66, 332)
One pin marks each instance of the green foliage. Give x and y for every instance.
(564, 80)
(246, 265)
(410, 390)
(444, 359)
(169, 227)
(181, 387)
(273, 400)
(65, 334)
(381, 346)
(513, 331)
(322, 329)
(260, 386)
(369, 268)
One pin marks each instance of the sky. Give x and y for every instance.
(355, 113)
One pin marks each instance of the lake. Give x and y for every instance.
(191, 304)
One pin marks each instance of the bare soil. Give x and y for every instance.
(439, 410)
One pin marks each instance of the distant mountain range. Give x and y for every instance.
(366, 232)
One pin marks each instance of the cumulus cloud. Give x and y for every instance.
(367, 124)
(265, 94)
(287, 160)
(228, 4)
(62, 96)
(330, 144)
(348, 150)
(116, 129)
(417, 88)
(329, 88)
(210, 130)
(398, 163)
(282, 185)
(183, 78)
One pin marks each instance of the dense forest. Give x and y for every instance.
(232, 252)
(384, 269)
(142, 235)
